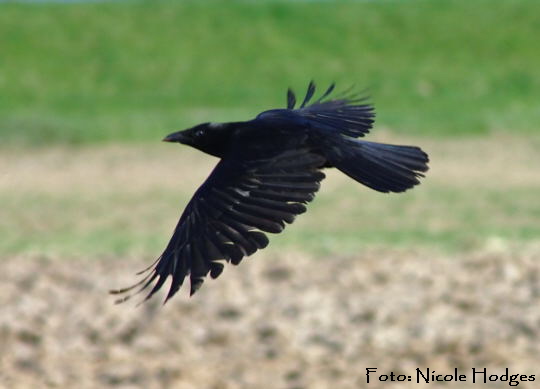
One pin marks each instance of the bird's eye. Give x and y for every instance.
(199, 133)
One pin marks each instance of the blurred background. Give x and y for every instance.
(444, 276)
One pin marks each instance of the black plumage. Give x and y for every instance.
(269, 169)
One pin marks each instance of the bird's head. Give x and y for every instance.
(191, 136)
(207, 137)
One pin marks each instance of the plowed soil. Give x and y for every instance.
(287, 321)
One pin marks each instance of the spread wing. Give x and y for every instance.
(348, 114)
(230, 213)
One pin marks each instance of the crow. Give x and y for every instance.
(270, 167)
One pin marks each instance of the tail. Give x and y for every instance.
(383, 167)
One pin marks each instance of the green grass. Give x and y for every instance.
(431, 216)
(437, 218)
(133, 71)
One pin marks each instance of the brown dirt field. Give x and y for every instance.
(288, 321)
(496, 161)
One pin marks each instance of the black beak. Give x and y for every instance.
(175, 137)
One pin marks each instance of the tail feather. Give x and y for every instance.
(382, 167)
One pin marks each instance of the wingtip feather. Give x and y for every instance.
(291, 99)
(309, 94)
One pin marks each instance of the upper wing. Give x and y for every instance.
(348, 114)
(228, 215)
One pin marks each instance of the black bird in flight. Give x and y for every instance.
(270, 167)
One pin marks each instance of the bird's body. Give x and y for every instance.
(269, 169)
